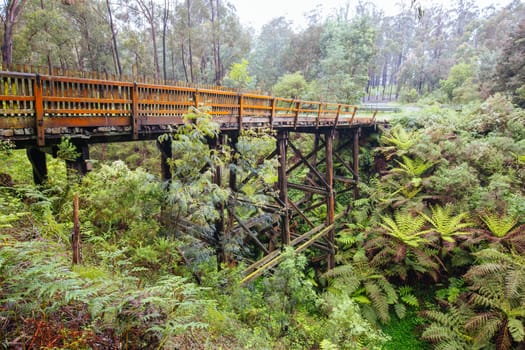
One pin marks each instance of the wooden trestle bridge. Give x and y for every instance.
(36, 111)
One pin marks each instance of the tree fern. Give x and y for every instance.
(446, 224)
(413, 168)
(399, 139)
(498, 286)
(403, 247)
(365, 285)
(406, 228)
(499, 225)
(446, 329)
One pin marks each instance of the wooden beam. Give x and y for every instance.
(306, 161)
(330, 198)
(75, 238)
(241, 112)
(297, 110)
(252, 235)
(355, 152)
(317, 147)
(164, 147)
(306, 188)
(348, 167)
(301, 214)
(39, 111)
(135, 111)
(282, 143)
(272, 116)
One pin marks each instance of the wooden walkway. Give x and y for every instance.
(40, 109)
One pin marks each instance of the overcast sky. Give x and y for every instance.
(258, 12)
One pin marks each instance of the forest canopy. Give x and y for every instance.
(453, 53)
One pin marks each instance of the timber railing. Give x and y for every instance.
(40, 108)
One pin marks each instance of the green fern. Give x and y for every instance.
(520, 158)
(406, 228)
(414, 168)
(499, 225)
(498, 286)
(446, 329)
(446, 224)
(516, 329)
(364, 285)
(406, 295)
(400, 138)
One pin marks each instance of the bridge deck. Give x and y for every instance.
(40, 109)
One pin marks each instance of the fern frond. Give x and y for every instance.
(400, 138)
(412, 167)
(388, 289)
(482, 300)
(400, 310)
(411, 300)
(484, 270)
(498, 225)
(516, 329)
(405, 228)
(488, 330)
(494, 255)
(436, 333)
(478, 321)
(444, 319)
(380, 303)
(453, 345)
(514, 283)
(446, 223)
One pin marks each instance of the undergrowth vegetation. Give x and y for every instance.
(431, 256)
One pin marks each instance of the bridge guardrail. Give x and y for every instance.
(38, 105)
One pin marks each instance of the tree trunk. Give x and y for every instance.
(384, 78)
(216, 28)
(155, 53)
(49, 63)
(12, 12)
(219, 62)
(164, 34)
(149, 13)
(116, 57)
(183, 54)
(188, 9)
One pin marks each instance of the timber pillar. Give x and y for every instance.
(330, 196)
(37, 157)
(282, 145)
(166, 154)
(355, 161)
(80, 165)
(218, 235)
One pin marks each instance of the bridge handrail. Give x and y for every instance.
(30, 100)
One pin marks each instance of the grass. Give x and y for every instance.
(404, 333)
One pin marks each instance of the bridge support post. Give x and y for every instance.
(330, 197)
(164, 147)
(39, 164)
(79, 166)
(216, 143)
(355, 161)
(233, 139)
(232, 182)
(282, 145)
